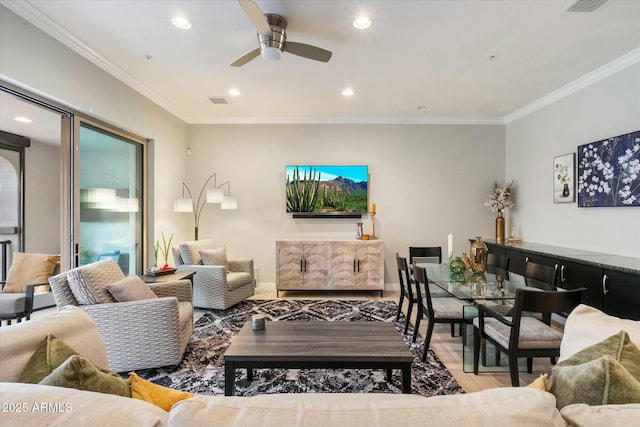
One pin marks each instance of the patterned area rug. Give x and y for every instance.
(202, 372)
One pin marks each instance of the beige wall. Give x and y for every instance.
(607, 108)
(427, 181)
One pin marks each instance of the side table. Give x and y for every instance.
(177, 275)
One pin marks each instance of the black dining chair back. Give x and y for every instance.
(541, 339)
(425, 254)
(406, 290)
(498, 261)
(540, 276)
(437, 310)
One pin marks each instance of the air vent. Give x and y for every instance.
(219, 100)
(586, 5)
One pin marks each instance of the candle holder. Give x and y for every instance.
(372, 232)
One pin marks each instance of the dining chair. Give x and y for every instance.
(497, 262)
(428, 254)
(524, 335)
(437, 310)
(406, 290)
(419, 254)
(540, 276)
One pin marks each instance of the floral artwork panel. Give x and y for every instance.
(564, 184)
(609, 172)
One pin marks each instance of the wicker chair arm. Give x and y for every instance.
(241, 266)
(138, 334)
(181, 289)
(207, 273)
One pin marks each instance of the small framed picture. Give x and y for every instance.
(564, 183)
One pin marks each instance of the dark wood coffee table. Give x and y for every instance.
(317, 344)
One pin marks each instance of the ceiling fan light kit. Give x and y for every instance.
(272, 38)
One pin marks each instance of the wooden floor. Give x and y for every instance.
(447, 348)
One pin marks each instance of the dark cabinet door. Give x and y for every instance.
(517, 261)
(574, 275)
(621, 294)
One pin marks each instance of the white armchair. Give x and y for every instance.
(219, 283)
(137, 333)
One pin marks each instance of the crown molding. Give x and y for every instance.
(34, 16)
(351, 120)
(595, 76)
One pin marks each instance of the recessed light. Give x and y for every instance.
(181, 22)
(234, 92)
(23, 119)
(362, 22)
(347, 92)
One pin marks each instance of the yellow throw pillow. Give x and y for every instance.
(30, 269)
(50, 354)
(163, 397)
(540, 383)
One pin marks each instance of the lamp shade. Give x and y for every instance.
(215, 195)
(183, 204)
(229, 203)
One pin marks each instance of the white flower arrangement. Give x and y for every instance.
(500, 199)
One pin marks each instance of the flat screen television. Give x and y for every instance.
(316, 191)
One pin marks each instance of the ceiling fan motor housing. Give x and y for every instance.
(272, 45)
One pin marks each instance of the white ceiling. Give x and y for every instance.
(423, 52)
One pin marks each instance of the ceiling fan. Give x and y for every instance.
(273, 38)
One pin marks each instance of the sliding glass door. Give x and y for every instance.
(111, 192)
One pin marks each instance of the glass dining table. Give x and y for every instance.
(495, 287)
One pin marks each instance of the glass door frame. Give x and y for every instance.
(75, 196)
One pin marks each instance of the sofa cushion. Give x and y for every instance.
(215, 256)
(131, 288)
(587, 325)
(75, 408)
(162, 397)
(504, 406)
(190, 251)
(237, 280)
(79, 373)
(29, 269)
(89, 282)
(582, 415)
(50, 354)
(604, 373)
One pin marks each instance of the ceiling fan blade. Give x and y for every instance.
(246, 58)
(308, 51)
(252, 10)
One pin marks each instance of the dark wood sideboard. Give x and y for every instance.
(612, 282)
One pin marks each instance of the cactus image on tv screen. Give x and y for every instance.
(330, 190)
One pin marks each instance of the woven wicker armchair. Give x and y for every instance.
(215, 286)
(139, 334)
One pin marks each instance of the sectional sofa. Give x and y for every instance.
(27, 405)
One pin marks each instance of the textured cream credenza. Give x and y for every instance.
(330, 265)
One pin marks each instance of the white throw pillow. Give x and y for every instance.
(217, 256)
(587, 325)
(89, 283)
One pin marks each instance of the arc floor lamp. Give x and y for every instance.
(213, 194)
